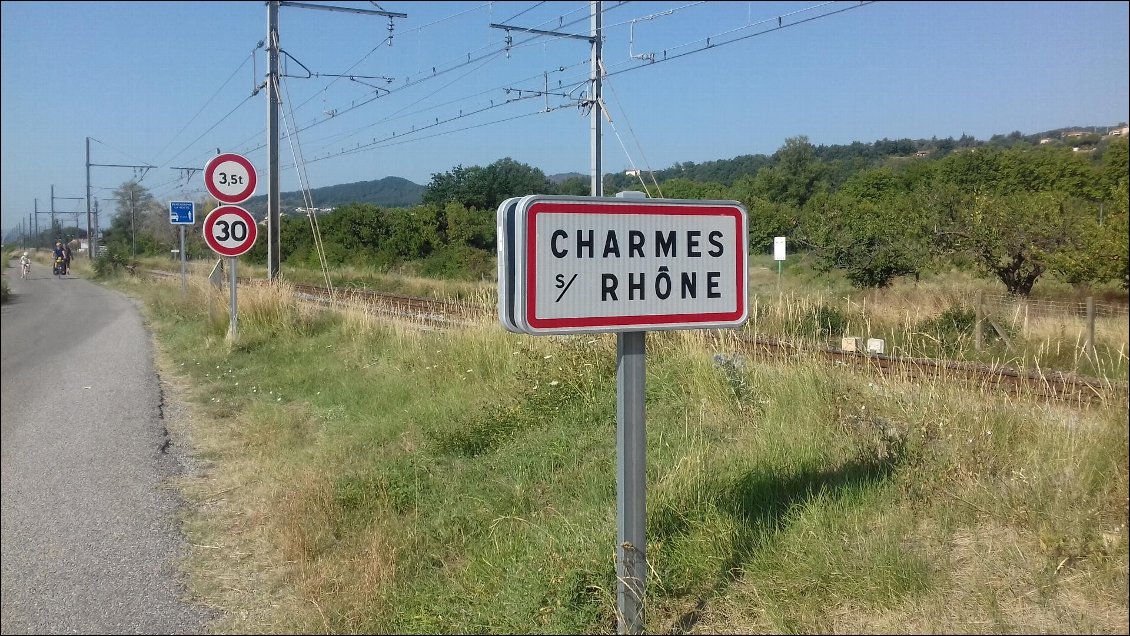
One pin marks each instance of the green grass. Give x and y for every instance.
(360, 478)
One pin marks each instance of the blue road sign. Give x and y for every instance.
(182, 212)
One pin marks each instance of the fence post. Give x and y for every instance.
(1090, 325)
(977, 338)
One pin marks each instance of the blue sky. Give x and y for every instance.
(168, 83)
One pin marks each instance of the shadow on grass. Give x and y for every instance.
(761, 502)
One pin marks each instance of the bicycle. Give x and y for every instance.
(25, 269)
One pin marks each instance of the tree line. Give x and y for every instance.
(1012, 209)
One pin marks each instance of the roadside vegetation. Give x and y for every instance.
(361, 475)
(357, 477)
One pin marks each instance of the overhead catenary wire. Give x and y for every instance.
(205, 105)
(708, 43)
(437, 71)
(780, 24)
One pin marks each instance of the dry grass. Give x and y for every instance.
(322, 504)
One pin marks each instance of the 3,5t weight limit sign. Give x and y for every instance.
(230, 178)
(230, 230)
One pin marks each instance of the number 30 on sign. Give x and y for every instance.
(230, 230)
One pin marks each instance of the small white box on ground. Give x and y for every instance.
(876, 345)
(850, 344)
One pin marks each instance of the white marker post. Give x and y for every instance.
(779, 254)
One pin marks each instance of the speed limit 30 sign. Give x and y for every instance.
(230, 230)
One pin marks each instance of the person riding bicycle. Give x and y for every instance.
(25, 264)
(58, 256)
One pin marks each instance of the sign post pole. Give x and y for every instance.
(233, 331)
(596, 264)
(631, 478)
(779, 255)
(183, 269)
(182, 213)
(229, 229)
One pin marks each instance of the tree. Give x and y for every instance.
(795, 177)
(766, 219)
(485, 188)
(1101, 252)
(575, 186)
(1015, 237)
(874, 241)
(134, 203)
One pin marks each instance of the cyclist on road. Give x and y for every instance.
(58, 258)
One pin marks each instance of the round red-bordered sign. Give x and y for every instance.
(230, 230)
(230, 178)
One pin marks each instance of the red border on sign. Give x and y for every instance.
(252, 230)
(642, 321)
(210, 169)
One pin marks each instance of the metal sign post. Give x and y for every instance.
(233, 330)
(182, 213)
(230, 231)
(631, 479)
(183, 266)
(624, 265)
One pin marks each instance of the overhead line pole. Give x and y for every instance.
(273, 203)
(274, 259)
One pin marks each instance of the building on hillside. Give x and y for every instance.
(1045, 140)
(1119, 132)
(1073, 133)
(632, 172)
(922, 153)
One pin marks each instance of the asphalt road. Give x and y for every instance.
(91, 541)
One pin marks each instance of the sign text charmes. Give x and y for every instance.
(608, 264)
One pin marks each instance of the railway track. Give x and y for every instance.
(1056, 386)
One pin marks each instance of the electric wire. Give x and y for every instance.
(396, 139)
(307, 196)
(210, 100)
(624, 112)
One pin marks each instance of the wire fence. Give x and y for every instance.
(1039, 308)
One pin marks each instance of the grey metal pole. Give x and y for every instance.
(594, 79)
(183, 270)
(52, 211)
(273, 259)
(37, 222)
(631, 472)
(132, 221)
(233, 330)
(91, 246)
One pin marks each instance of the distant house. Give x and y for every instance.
(1119, 132)
(1074, 133)
(922, 153)
(1046, 140)
(633, 172)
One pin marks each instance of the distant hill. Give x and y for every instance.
(390, 192)
(559, 178)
